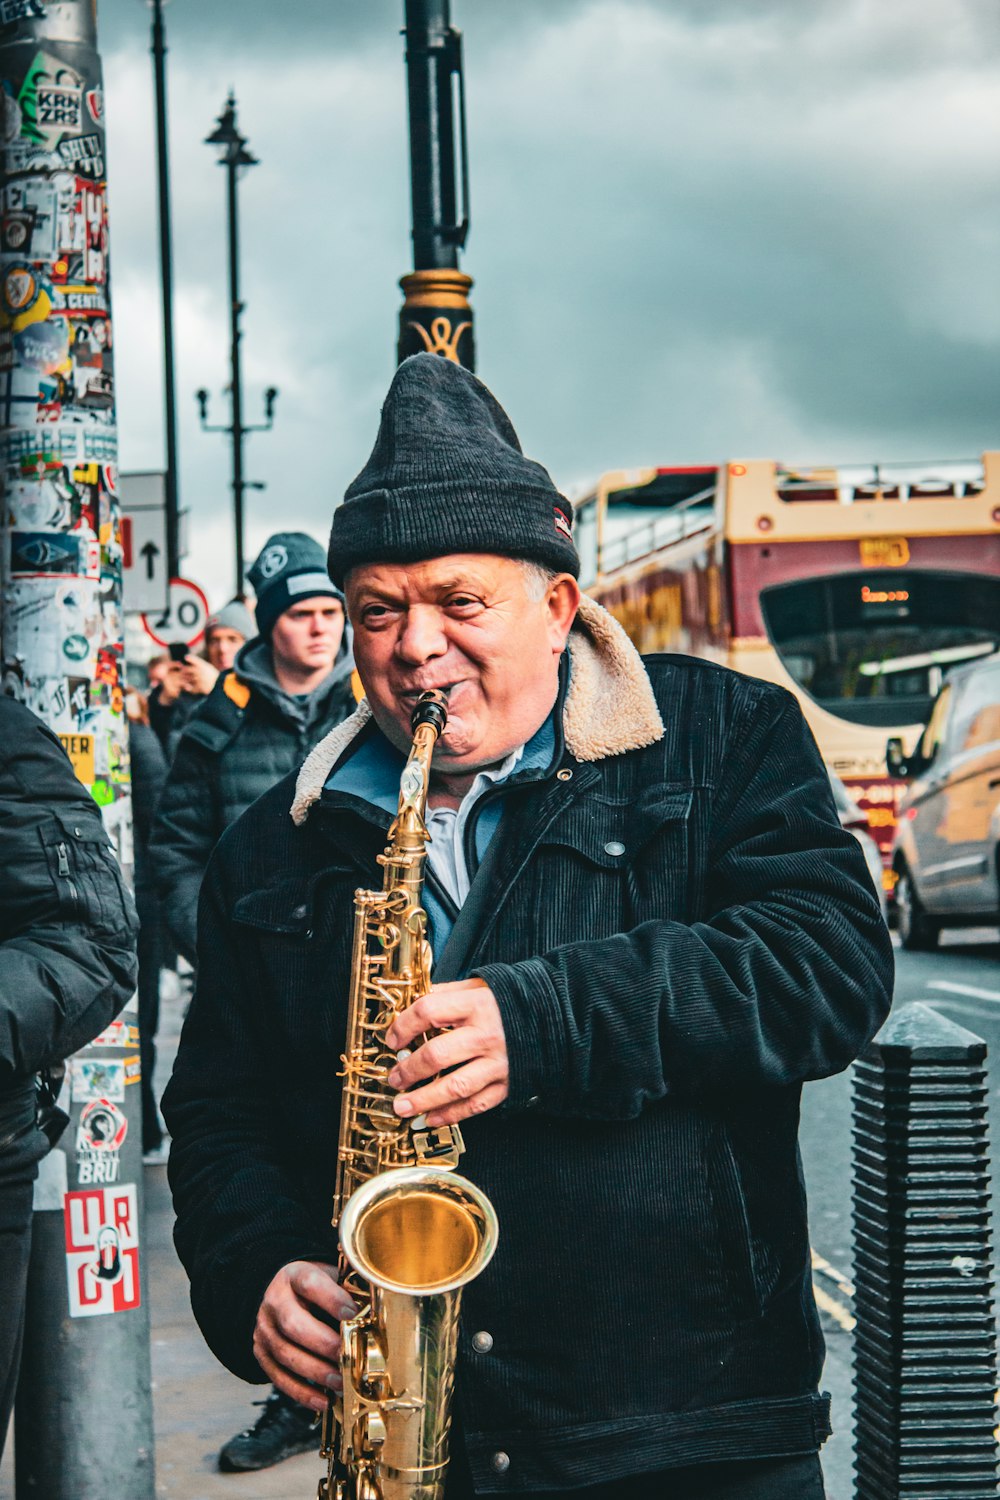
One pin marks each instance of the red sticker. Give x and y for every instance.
(102, 1250)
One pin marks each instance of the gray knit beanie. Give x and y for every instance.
(232, 616)
(447, 475)
(291, 567)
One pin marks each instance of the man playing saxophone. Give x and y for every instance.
(648, 928)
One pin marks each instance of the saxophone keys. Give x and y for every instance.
(374, 1431)
(375, 1364)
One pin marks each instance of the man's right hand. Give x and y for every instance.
(296, 1339)
(198, 676)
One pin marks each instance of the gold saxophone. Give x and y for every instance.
(412, 1232)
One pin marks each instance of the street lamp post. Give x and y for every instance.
(159, 51)
(235, 155)
(436, 315)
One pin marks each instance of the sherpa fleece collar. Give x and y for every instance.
(610, 707)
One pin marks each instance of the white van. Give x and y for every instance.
(946, 852)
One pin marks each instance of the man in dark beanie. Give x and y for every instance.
(649, 929)
(288, 688)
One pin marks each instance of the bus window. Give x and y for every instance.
(585, 537)
(872, 646)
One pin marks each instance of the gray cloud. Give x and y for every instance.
(751, 227)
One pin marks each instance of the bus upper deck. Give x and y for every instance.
(856, 588)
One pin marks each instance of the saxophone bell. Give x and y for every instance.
(416, 1235)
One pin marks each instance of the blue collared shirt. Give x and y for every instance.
(372, 774)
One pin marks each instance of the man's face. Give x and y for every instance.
(222, 646)
(468, 624)
(307, 637)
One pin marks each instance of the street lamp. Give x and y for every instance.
(233, 156)
(172, 510)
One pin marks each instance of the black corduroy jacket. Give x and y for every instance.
(678, 933)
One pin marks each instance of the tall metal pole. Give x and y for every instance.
(236, 362)
(234, 156)
(83, 1420)
(436, 315)
(159, 51)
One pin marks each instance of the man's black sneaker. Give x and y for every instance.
(283, 1429)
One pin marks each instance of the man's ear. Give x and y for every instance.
(562, 602)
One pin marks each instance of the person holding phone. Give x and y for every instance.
(187, 677)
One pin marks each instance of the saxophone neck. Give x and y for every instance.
(408, 834)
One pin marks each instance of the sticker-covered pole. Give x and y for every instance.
(83, 1424)
(436, 315)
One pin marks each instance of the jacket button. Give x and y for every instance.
(298, 911)
(482, 1342)
(500, 1462)
(565, 775)
(530, 1103)
(614, 847)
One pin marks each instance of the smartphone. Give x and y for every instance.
(179, 651)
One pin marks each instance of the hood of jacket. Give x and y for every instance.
(610, 706)
(254, 665)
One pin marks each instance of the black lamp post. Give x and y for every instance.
(235, 155)
(159, 51)
(436, 315)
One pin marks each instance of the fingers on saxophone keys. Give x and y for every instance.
(462, 1085)
(317, 1286)
(487, 1098)
(440, 1052)
(306, 1379)
(429, 1013)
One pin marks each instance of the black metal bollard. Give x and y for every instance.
(925, 1370)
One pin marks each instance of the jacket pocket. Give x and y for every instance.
(614, 865)
(84, 870)
(612, 835)
(288, 907)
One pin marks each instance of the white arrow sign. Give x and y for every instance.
(144, 543)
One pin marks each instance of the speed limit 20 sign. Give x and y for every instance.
(185, 616)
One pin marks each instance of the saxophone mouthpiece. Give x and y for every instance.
(432, 708)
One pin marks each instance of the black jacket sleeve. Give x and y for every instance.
(67, 923)
(238, 1217)
(184, 834)
(786, 979)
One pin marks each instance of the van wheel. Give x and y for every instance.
(917, 933)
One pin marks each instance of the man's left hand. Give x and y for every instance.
(471, 1044)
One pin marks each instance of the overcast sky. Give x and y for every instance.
(701, 230)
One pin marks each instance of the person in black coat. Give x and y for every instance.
(67, 966)
(649, 930)
(148, 765)
(290, 685)
(182, 686)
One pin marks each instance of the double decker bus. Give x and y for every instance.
(855, 588)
